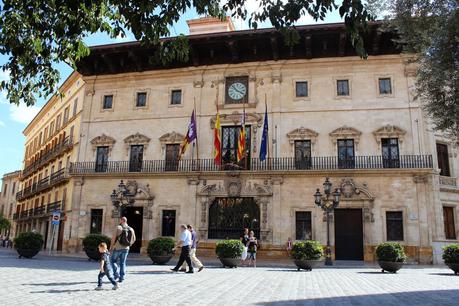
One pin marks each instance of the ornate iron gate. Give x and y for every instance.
(229, 216)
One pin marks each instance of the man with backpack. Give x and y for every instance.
(122, 239)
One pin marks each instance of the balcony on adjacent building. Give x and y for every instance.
(330, 163)
(54, 179)
(48, 156)
(448, 182)
(40, 211)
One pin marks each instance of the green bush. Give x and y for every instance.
(92, 241)
(451, 254)
(229, 249)
(161, 246)
(307, 250)
(390, 251)
(29, 241)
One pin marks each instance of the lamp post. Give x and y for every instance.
(121, 197)
(327, 202)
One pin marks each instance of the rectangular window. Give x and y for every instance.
(230, 136)
(448, 219)
(108, 102)
(390, 154)
(385, 87)
(136, 158)
(168, 223)
(443, 159)
(176, 97)
(394, 225)
(301, 89)
(51, 129)
(172, 153)
(303, 154)
(58, 122)
(14, 188)
(45, 134)
(101, 159)
(66, 114)
(346, 158)
(96, 221)
(342, 87)
(141, 99)
(303, 225)
(71, 133)
(75, 107)
(5, 188)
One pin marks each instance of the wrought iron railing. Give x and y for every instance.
(255, 164)
(448, 181)
(47, 156)
(39, 211)
(43, 184)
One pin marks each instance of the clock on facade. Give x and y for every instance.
(237, 89)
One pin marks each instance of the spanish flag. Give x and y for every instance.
(241, 140)
(217, 142)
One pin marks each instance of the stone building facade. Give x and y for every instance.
(331, 114)
(52, 140)
(10, 185)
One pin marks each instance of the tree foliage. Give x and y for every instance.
(5, 224)
(36, 35)
(431, 30)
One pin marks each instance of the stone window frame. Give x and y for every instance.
(182, 97)
(147, 98)
(105, 210)
(405, 220)
(312, 210)
(345, 132)
(390, 131)
(170, 138)
(335, 87)
(102, 141)
(102, 98)
(134, 140)
(303, 133)
(392, 87)
(301, 99)
(158, 214)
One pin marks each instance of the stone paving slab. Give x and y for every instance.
(71, 281)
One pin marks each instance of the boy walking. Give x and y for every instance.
(105, 267)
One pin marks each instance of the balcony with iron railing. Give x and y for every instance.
(330, 163)
(40, 211)
(448, 182)
(48, 156)
(43, 184)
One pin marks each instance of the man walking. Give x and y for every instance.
(122, 239)
(194, 243)
(185, 243)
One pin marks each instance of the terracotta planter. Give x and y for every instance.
(160, 260)
(390, 266)
(27, 253)
(230, 262)
(92, 254)
(306, 264)
(454, 267)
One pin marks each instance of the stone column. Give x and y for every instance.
(275, 211)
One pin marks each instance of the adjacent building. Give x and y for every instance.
(52, 140)
(10, 185)
(330, 113)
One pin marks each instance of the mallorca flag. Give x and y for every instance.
(191, 135)
(217, 142)
(241, 140)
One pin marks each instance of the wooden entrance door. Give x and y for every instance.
(348, 234)
(134, 217)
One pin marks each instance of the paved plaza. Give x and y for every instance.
(61, 280)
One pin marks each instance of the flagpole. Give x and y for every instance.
(196, 122)
(245, 143)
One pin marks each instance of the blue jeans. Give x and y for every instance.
(121, 256)
(109, 276)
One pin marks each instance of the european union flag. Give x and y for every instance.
(264, 137)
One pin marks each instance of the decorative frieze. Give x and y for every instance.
(103, 141)
(345, 132)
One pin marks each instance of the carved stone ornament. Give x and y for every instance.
(142, 196)
(302, 134)
(172, 137)
(345, 132)
(389, 131)
(103, 141)
(137, 139)
(235, 118)
(355, 193)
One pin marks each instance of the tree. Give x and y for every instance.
(35, 35)
(430, 29)
(5, 224)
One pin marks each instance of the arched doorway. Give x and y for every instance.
(229, 216)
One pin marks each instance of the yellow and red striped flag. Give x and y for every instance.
(241, 140)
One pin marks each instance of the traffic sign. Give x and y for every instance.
(56, 217)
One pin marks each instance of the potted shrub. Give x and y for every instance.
(91, 244)
(307, 254)
(390, 256)
(229, 252)
(28, 244)
(161, 250)
(451, 257)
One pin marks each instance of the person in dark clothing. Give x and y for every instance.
(105, 267)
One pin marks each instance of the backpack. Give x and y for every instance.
(125, 238)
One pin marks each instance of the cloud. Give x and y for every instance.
(4, 76)
(22, 113)
(2, 123)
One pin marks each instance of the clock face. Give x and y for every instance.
(237, 91)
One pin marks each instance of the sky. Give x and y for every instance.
(13, 119)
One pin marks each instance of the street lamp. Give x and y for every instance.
(327, 202)
(121, 197)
